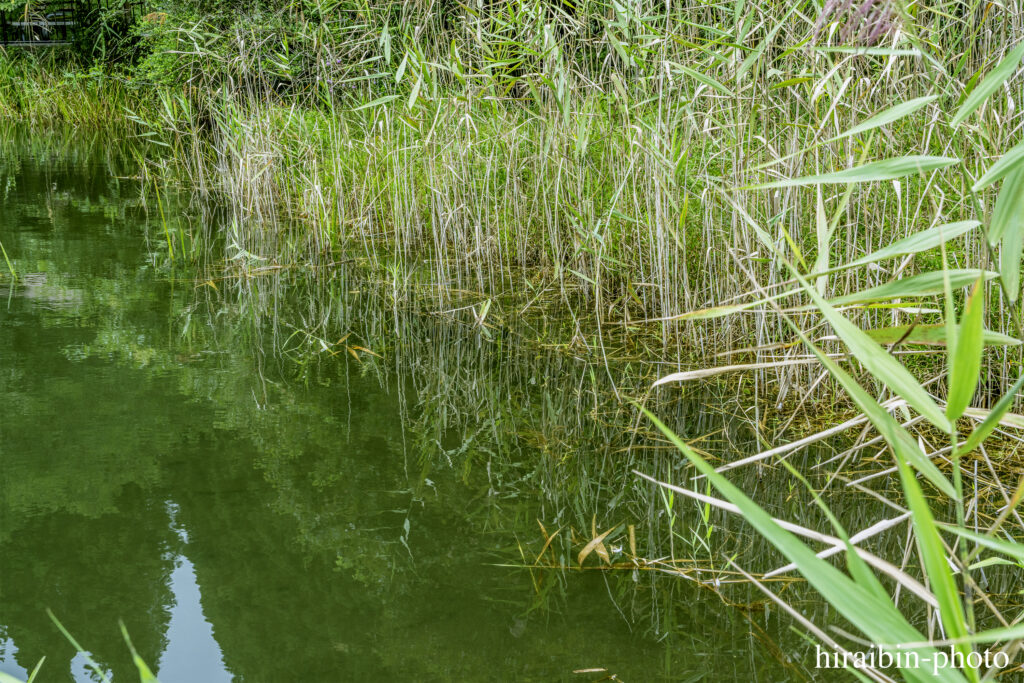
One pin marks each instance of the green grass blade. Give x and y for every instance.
(145, 675)
(855, 564)
(989, 85)
(376, 102)
(7, 260)
(965, 361)
(894, 434)
(891, 114)
(933, 555)
(879, 362)
(1008, 548)
(97, 669)
(932, 335)
(877, 618)
(1007, 164)
(996, 635)
(885, 368)
(705, 79)
(35, 670)
(991, 421)
(923, 284)
(824, 234)
(1007, 229)
(763, 45)
(918, 242)
(886, 169)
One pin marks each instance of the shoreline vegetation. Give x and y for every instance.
(601, 160)
(827, 201)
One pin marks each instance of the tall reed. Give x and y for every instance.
(927, 426)
(591, 152)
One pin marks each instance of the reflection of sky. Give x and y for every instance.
(80, 669)
(192, 654)
(7, 663)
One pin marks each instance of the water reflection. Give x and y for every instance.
(223, 464)
(192, 653)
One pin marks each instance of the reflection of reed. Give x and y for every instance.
(541, 433)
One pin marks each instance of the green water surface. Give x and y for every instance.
(256, 504)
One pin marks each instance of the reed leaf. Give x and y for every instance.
(992, 419)
(933, 555)
(965, 356)
(886, 169)
(894, 113)
(989, 84)
(894, 434)
(923, 284)
(879, 362)
(1008, 163)
(877, 618)
(703, 78)
(918, 242)
(1008, 548)
(1007, 229)
(932, 335)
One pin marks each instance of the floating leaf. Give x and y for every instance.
(594, 543)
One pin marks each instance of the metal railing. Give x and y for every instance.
(57, 22)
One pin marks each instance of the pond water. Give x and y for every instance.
(199, 457)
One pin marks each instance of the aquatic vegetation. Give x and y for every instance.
(952, 594)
